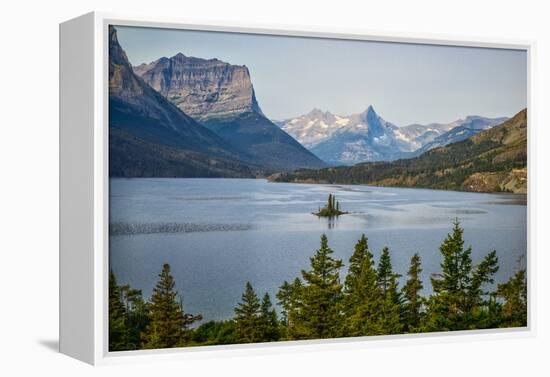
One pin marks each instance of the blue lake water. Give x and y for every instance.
(217, 234)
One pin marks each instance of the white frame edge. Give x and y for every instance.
(84, 206)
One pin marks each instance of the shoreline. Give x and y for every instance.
(309, 182)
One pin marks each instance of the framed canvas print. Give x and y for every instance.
(233, 188)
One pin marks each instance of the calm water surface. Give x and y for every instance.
(219, 233)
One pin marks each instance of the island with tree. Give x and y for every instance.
(331, 209)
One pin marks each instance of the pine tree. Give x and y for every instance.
(456, 265)
(320, 296)
(481, 274)
(458, 303)
(514, 295)
(168, 322)
(269, 324)
(362, 296)
(247, 317)
(360, 253)
(118, 331)
(411, 293)
(288, 297)
(385, 272)
(390, 318)
(137, 315)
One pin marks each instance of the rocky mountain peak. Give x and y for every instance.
(315, 112)
(376, 125)
(370, 114)
(122, 81)
(202, 88)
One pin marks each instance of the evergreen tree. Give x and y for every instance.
(384, 271)
(269, 324)
(362, 296)
(482, 274)
(215, 332)
(360, 253)
(168, 323)
(458, 303)
(247, 317)
(117, 317)
(411, 294)
(320, 296)
(390, 316)
(289, 299)
(514, 295)
(137, 315)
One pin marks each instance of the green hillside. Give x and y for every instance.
(491, 161)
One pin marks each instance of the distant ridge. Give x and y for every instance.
(364, 137)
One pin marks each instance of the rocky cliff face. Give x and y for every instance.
(221, 97)
(137, 108)
(203, 89)
(149, 136)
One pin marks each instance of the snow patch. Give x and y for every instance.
(341, 121)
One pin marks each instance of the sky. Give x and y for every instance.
(405, 83)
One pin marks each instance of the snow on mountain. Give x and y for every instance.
(314, 127)
(366, 136)
(463, 129)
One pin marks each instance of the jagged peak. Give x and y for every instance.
(369, 115)
(370, 111)
(316, 112)
(112, 33)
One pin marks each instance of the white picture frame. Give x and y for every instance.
(84, 186)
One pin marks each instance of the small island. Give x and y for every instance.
(332, 209)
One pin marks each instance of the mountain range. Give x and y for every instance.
(347, 140)
(492, 160)
(191, 117)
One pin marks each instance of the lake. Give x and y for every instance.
(217, 234)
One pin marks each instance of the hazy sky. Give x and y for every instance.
(405, 83)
